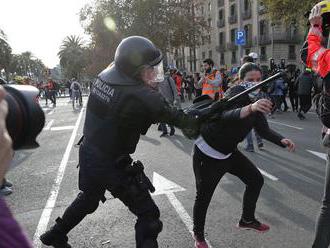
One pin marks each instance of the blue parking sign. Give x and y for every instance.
(240, 37)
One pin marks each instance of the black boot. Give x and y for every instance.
(56, 236)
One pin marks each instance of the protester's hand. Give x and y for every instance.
(263, 105)
(315, 17)
(289, 144)
(6, 151)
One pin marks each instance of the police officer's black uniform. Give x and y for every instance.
(120, 108)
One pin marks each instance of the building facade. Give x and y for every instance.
(225, 18)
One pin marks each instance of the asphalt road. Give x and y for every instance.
(45, 183)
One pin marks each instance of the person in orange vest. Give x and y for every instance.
(317, 57)
(211, 82)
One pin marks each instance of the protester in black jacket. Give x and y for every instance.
(305, 84)
(216, 153)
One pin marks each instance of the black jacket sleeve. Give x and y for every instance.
(263, 129)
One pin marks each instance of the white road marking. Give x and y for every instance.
(51, 112)
(286, 125)
(269, 176)
(49, 124)
(319, 154)
(310, 112)
(62, 128)
(167, 187)
(46, 213)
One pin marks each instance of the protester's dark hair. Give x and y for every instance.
(247, 59)
(209, 62)
(247, 67)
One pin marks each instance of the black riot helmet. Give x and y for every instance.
(135, 53)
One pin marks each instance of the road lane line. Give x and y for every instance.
(286, 125)
(46, 213)
(51, 112)
(184, 216)
(49, 124)
(319, 154)
(62, 128)
(269, 176)
(166, 187)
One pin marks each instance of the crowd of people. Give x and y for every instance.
(298, 87)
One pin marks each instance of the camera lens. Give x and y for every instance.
(25, 119)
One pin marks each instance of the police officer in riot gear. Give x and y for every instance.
(122, 105)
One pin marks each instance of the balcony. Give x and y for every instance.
(221, 23)
(247, 14)
(221, 48)
(265, 39)
(178, 56)
(221, 3)
(232, 19)
(231, 45)
(190, 58)
(288, 38)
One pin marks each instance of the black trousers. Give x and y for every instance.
(322, 235)
(305, 102)
(293, 100)
(94, 181)
(208, 173)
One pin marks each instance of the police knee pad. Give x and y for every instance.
(154, 227)
(91, 202)
(151, 223)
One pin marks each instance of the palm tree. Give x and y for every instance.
(5, 54)
(72, 56)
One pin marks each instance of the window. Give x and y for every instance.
(221, 3)
(209, 22)
(210, 54)
(263, 53)
(247, 5)
(209, 6)
(247, 29)
(233, 57)
(262, 27)
(232, 35)
(202, 10)
(222, 59)
(209, 39)
(292, 49)
(221, 38)
(292, 52)
(203, 55)
(232, 10)
(247, 51)
(221, 17)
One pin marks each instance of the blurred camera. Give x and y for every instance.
(25, 119)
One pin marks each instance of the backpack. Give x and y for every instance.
(75, 86)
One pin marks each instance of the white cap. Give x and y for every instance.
(254, 55)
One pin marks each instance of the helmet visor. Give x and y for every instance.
(158, 73)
